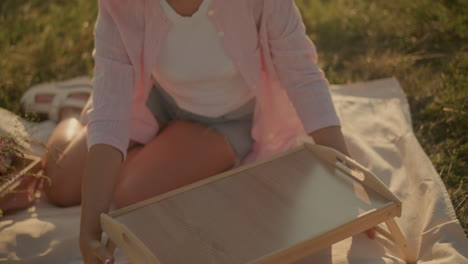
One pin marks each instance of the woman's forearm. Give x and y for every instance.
(331, 137)
(102, 169)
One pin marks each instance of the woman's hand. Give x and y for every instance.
(332, 137)
(93, 251)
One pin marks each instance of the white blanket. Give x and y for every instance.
(377, 126)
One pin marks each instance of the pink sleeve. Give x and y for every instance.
(295, 59)
(109, 119)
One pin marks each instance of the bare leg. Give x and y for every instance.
(183, 153)
(64, 163)
(54, 161)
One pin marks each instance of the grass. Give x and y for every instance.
(422, 43)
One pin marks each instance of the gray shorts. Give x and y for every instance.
(234, 126)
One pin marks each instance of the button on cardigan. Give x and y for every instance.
(265, 39)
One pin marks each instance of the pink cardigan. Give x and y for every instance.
(266, 39)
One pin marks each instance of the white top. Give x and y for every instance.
(194, 68)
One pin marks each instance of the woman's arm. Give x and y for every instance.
(102, 169)
(295, 59)
(110, 115)
(108, 129)
(331, 137)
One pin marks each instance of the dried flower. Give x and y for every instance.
(9, 148)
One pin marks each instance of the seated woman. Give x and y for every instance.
(184, 90)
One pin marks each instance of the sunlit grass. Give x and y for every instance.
(43, 41)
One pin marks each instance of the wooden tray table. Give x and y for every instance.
(278, 210)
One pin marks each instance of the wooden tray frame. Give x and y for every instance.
(121, 236)
(33, 167)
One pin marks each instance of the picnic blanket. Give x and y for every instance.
(378, 130)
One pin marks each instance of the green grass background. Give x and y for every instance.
(422, 43)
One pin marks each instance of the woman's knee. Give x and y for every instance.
(66, 130)
(63, 165)
(61, 137)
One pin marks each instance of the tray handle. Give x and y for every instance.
(123, 238)
(354, 169)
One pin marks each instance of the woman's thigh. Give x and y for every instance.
(184, 152)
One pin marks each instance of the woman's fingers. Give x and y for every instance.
(94, 252)
(101, 253)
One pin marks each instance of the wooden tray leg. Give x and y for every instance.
(400, 240)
